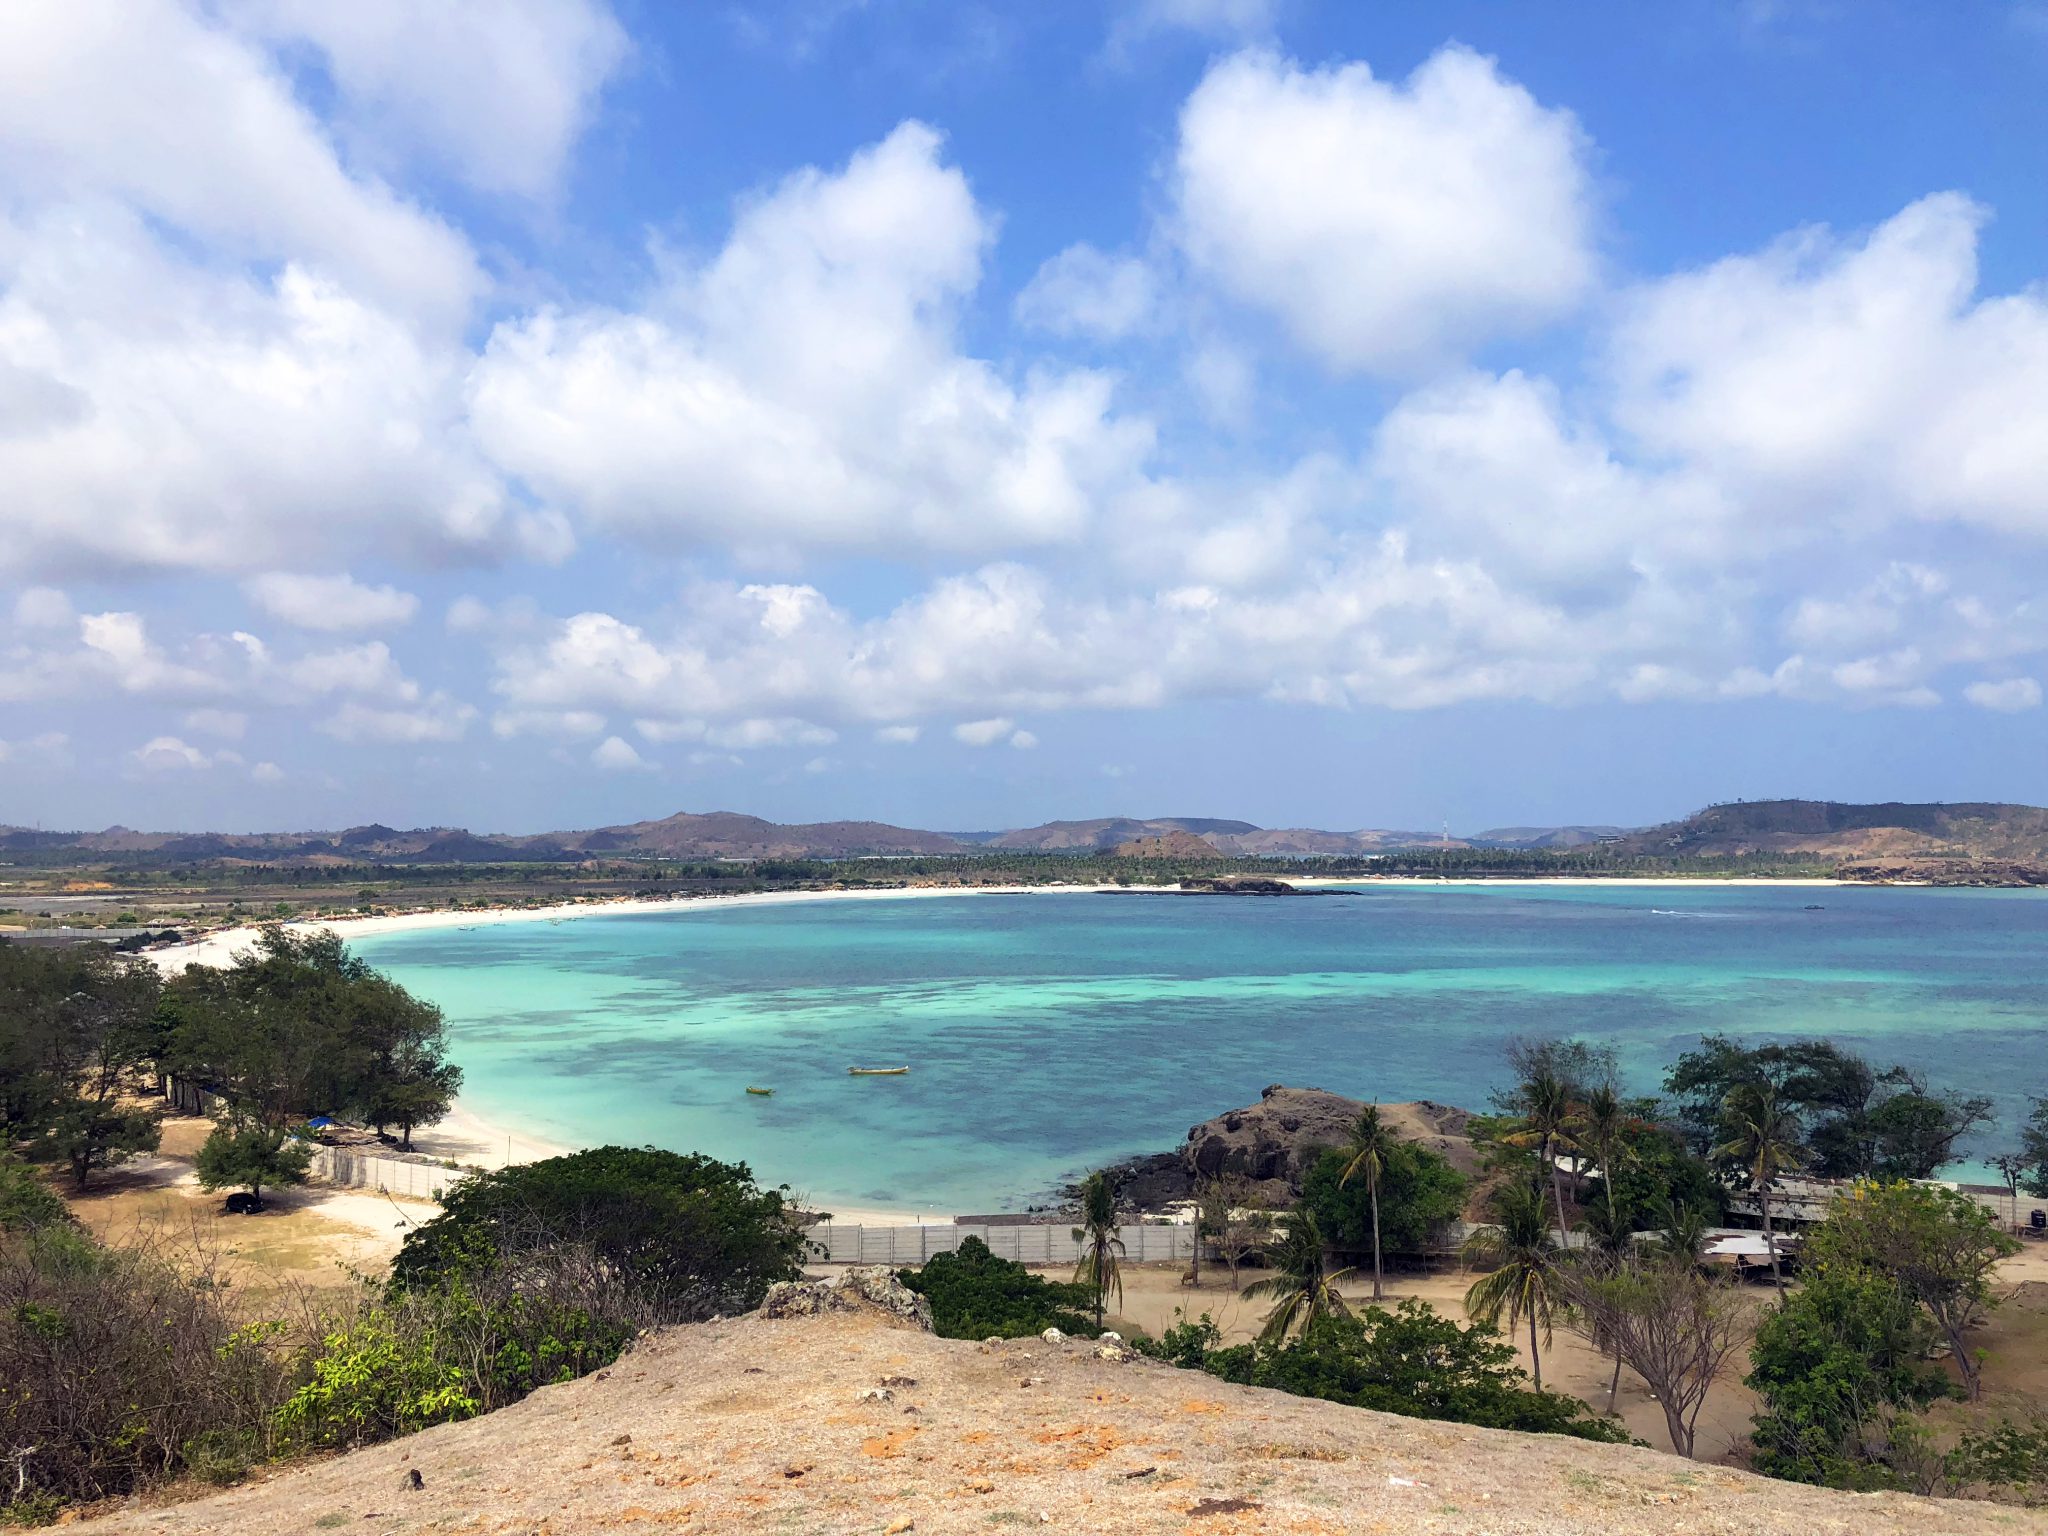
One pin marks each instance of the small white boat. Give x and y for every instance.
(876, 1071)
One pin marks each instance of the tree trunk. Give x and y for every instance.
(1614, 1386)
(406, 1144)
(1959, 1347)
(1679, 1430)
(1374, 1190)
(1535, 1357)
(1763, 1195)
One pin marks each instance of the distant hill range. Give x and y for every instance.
(1868, 834)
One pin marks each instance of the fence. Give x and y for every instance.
(1051, 1243)
(353, 1170)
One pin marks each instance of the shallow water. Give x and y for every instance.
(1050, 1033)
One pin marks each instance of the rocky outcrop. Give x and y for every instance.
(1274, 1140)
(1235, 885)
(853, 1290)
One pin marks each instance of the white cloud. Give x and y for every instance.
(204, 420)
(1849, 382)
(227, 724)
(565, 724)
(495, 90)
(1387, 226)
(437, 718)
(1085, 292)
(804, 389)
(749, 735)
(330, 602)
(43, 608)
(983, 733)
(1229, 20)
(50, 749)
(1023, 741)
(616, 755)
(149, 102)
(2009, 695)
(167, 754)
(267, 773)
(898, 735)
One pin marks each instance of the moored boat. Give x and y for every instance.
(876, 1071)
(765, 1093)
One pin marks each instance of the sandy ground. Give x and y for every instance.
(842, 1423)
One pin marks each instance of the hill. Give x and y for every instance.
(1175, 844)
(858, 1421)
(1969, 831)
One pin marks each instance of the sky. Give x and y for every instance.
(530, 414)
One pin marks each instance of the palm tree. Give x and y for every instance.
(1101, 1249)
(1765, 1141)
(1301, 1291)
(1523, 1282)
(1366, 1157)
(1548, 1116)
(1685, 1230)
(1609, 1242)
(1602, 1122)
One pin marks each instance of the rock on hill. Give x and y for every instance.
(1272, 1140)
(858, 1421)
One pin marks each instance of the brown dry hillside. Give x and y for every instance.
(1974, 830)
(857, 1422)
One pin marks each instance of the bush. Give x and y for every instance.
(113, 1365)
(1419, 1193)
(683, 1235)
(251, 1157)
(1412, 1361)
(1832, 1365)
(975, 1295)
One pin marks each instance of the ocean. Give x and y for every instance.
(1050, 1033)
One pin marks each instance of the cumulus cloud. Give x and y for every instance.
(496, 92)
(330, 602)
(1086, 292)
(803, 388)
(42, 608)
(167, 754)
(616, 755)
(983, 733)
(2009, 695)
(898, 735)
(1854, 381)
(88, 87)
(1386, 225)
(227, 724)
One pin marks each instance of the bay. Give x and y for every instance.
(1052, 1032)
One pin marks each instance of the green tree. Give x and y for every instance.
(975, 1295)
(1101, 1249)
(1845, 1350)
(1763, 1140)
(76, 1027)
(26, 1203)
(1301, 1289)
(1419, 1192)
(1548, 1114)
(251, 1156)
(687, 1236)
(1522, 1285)
(1365, 1158)
(2034, 1148)
(1939, 1247)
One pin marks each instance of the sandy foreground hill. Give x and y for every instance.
(859, 1422)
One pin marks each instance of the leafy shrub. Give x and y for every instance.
(975, 1295)
(1412, 1361)
(26, 1203)
(683, 1235)
(1833, 1365)
(1419, 1193)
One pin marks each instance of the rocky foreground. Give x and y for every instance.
(846, 1416)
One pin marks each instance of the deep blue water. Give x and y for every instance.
(1051, 1032)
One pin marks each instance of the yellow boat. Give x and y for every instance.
(876, 1071)
(766, 1093)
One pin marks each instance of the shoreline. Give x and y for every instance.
(474, 1138)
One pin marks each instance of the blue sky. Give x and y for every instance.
(549, 412)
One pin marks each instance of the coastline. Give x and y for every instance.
(473, 1138)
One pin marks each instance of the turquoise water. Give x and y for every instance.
(1050, 1033)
